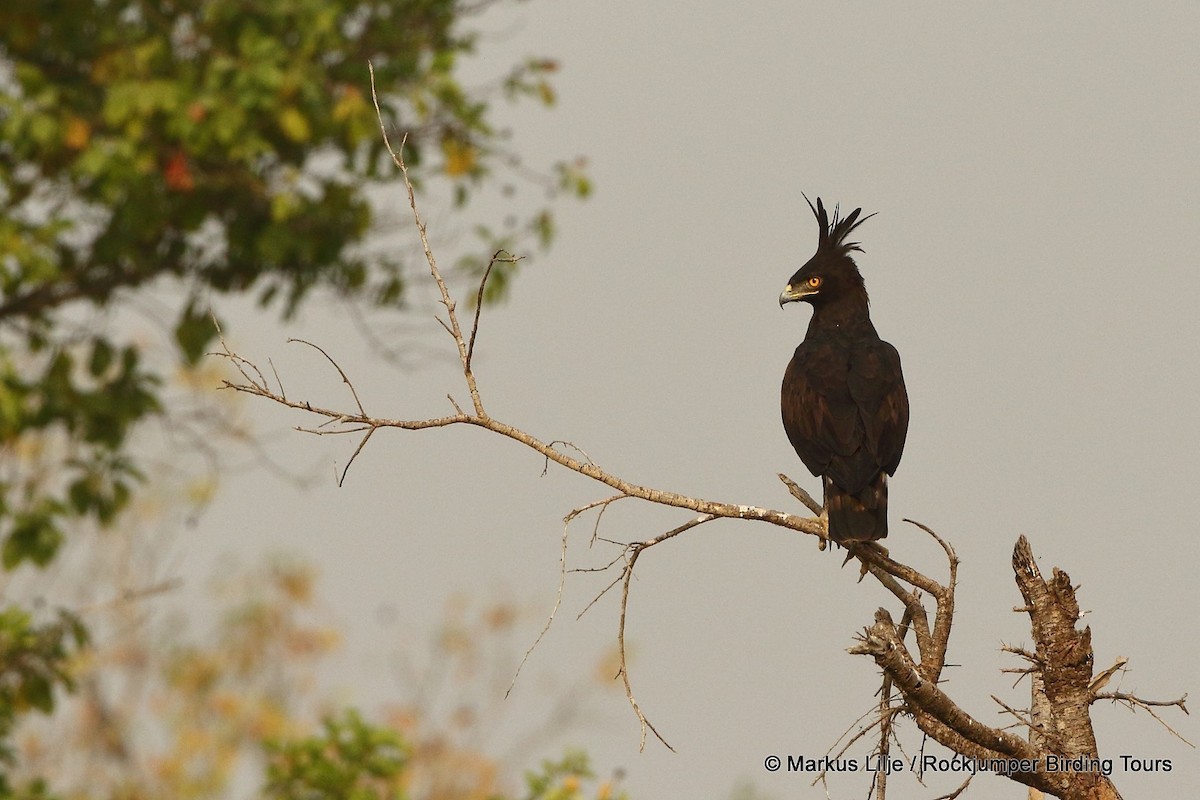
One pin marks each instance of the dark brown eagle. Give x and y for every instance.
(845, 409)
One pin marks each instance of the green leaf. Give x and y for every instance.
(193, 333)
(102, 357)
(294, 125)
(34, 537)
(39, 693)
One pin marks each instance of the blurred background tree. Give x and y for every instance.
(155, 156)
(166, 708)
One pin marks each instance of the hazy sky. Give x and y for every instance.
(1034, 168)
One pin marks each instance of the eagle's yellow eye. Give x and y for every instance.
(814, 282)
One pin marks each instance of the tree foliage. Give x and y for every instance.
(194, 149)
(33, 660)
(167, 710)
(228, 149)
(348, 760)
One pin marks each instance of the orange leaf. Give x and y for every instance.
(461, 157)
(77, 133)
(178, 174)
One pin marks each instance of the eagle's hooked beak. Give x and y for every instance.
(792, 294)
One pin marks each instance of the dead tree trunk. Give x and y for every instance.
(1061, 757)
(1062, 693)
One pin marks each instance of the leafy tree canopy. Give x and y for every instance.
(213, 147)
(227, 145)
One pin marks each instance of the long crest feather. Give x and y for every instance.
(834, 233)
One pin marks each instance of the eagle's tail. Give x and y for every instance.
(859, 517)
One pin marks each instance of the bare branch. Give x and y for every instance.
(635, 551)
(807, 525)
(801, 495)
(354, 455)
(479, 309)
(562, 578)
(278, 380)
(511, 259)
(914, 610)
(862, 731)
(1134, 702)
(955, 794)
(1032, 658)
(130, 595)
(338, 367)
(603, 504)
(319, 431)
(885, 734)
(878, 558)
(453, 328)
(882, 642)
(571, 445)
(1125, 697)
(558, 596)
(1014, 712)
(882, 718)
(934, 660)
(238, 362)
(620, 577)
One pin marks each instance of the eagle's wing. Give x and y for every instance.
(819, 415)
(876, 383)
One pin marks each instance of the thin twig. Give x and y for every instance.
(453, 328)
(620, 577)
(600, 515)
(479, 309)
(338, 432)
(237, 361)
(636, 551)
(354, 455)
(479, 298)
(955, 794)
(1123, 697)
(1133, 702)
(338, 367)
(558, 596)
(877, 721)
(1029, 656)
(278, 380)
(129, 595)
(571, 445)
(1014, 712)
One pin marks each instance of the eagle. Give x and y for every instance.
(845, 408)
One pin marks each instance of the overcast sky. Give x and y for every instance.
(1034, 168)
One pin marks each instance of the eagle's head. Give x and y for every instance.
(831, 273)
